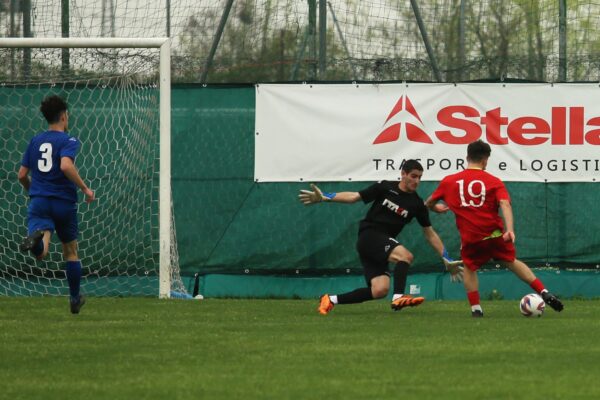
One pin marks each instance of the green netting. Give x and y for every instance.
(226, 223)
(106, 160)
(116, 119)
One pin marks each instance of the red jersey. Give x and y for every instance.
(474, 196)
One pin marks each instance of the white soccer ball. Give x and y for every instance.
(532, 305)
(199, 297)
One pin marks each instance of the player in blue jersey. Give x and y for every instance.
(50, 157)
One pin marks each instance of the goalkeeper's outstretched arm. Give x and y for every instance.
(308, 197)
(454, 267)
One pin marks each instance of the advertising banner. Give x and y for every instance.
(363, 132)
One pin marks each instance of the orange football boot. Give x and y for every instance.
(406, 301)
(325, 305)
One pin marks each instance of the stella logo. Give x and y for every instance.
(413, 132)
(462, 124)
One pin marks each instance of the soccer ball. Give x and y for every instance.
(532, 305)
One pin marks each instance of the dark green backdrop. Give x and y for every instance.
(227, 223)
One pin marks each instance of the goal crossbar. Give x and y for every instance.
(164, 45)
(84, 42)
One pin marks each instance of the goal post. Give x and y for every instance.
(93, 75)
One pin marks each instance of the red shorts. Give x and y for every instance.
(474, 255)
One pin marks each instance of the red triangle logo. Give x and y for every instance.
(389, 134)
(413, 132)
(416, 134)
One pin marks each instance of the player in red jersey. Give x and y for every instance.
(474, 196)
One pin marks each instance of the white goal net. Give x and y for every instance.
(127, 238)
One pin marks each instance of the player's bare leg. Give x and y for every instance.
(524, 273)
(520, 269)
(380, 286)
(46, 241)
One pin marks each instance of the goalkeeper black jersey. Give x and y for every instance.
(392, 208)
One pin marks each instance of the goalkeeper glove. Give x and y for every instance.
(308, 197)
(454, 267)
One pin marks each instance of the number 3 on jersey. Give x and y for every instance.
(45, 163)
(475, 191)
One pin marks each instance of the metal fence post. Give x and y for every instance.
(216, 40)
(322, 40)
(65, 56)
(562, 40)
(434, 66)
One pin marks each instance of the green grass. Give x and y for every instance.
(136, 348)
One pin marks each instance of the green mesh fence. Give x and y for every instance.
(226, 223)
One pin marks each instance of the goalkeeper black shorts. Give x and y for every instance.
(374, 248)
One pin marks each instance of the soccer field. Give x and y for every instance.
(139, 348)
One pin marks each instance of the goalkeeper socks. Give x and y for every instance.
(74, 278)
(400, 274)
(537, 285)
(473, 298)
(355, 296)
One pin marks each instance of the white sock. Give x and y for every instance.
(333, 299)
(396, 297)
(476, 307)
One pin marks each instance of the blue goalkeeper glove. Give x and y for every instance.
(454, 267)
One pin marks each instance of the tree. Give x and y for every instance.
(265, 40)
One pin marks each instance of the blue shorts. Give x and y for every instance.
(52, 214)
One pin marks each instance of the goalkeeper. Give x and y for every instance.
(50, 157)
(394, 205)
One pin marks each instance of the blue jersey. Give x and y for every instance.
(42, 157)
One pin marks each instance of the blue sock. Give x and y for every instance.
(39, 249)
(74, 278)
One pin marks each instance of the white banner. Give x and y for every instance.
(329, 132)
